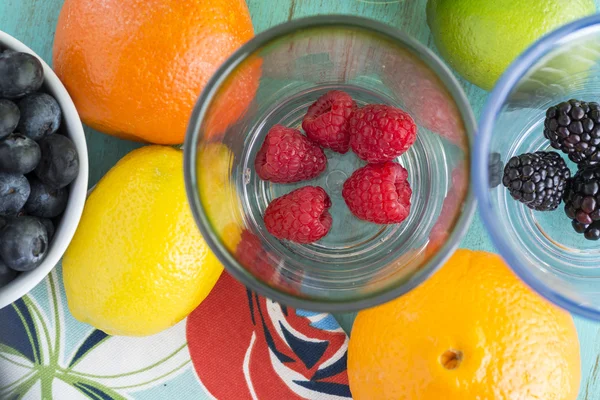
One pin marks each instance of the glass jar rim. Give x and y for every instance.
(194, 136)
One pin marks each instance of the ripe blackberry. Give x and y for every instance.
(537, 179)
(574, 128)
(582, 202)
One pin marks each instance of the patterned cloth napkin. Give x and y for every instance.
(236, 345)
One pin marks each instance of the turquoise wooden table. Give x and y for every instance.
(33, 22)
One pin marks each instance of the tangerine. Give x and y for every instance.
(135, 68)
(472, 331)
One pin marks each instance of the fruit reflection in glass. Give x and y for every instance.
(358, 263)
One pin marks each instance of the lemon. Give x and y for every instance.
(480, 39)
(137, 263)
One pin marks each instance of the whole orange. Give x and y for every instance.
(472, 331)
(135, 68)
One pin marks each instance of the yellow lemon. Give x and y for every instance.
(138, 264)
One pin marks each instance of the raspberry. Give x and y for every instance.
(326, 121)
(422, 92)
(380, 133)
(301, 216)
(288, 156)
(379, 193)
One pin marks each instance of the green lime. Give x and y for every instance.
(479, 39)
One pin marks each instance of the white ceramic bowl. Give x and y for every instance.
(71, 125)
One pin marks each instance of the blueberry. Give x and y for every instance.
(19, 154)
(59, 165)
(20, 74)
(14, 191)
(44, 201)
(9, 117)
(6, 274)
(23, 243)
(40, 115)
(49, 225)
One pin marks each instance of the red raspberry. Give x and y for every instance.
(381, 133)
(326, 121)
(300, 216)
(379, 193)
(288, 156)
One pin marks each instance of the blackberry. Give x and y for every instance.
(495, 167)
(574, 128)
(582, 202)
(537, 179)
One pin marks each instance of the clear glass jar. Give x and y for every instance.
(272, 80)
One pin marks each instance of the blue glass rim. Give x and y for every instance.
(479, 173)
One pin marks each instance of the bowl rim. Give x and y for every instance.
(479, 173)
(190, 154)
(25, 282)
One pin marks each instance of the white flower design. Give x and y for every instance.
(37, 362)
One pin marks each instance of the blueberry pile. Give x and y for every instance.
(542, 180)
(37, 163)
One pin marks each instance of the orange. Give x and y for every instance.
(472, 331)
(135, 68)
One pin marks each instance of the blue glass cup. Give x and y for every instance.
(541, 247)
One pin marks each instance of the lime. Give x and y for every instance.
(479, 39)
